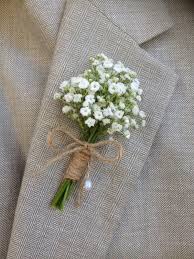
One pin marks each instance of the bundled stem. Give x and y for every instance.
(62, 194)
(67, 185)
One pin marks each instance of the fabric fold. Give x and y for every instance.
(142, 20)
(46, 17)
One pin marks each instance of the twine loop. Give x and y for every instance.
(82, 153)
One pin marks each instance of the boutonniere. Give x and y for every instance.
(103, 101)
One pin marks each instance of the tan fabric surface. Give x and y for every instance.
(87, 231)
(24, 64)
(130, 213)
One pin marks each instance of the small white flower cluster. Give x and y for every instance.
(105, 96)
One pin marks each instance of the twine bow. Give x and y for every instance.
(82, 152)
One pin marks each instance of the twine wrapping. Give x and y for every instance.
(82, 152)
(78, 165)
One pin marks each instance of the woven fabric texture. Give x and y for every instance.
(144, 207)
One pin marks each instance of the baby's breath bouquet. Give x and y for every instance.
(103, 101)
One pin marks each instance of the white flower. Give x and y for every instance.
(132, 100)
(126, 123)
(140, 91)
(68, 97)
(76, 80)
(115, 79)
(142, 114)
(110, 131)
(127, 70)
(126, 119)
(119, 114)
(108, 63)
(103, 56)
(71, 89)
(102, 79)
(116, 127)
(119, 67)
(136, 81)
(110, 81)
(127, 76)
(135, 110)
(101, 73)
(85, 104)
(135, 85)
(107, 112)
(57, 96)
(138, 97)
(66, 109)
(90, 122)
(133, 123)
(126, 126)
(96, 62)
(64, 85)
(87, 72)
(121, 105)
(143, 123)
(98, 115)
(90, 98)
(112, 88)
(94, 86)
(112, 106)
(77, 98)
(96, 107)
(121, 88)
(118, 88)
(132, 73)
(127, 133)
(101, 99)
(85, 111)
(83, 84)
(100, 69)
(105, 121)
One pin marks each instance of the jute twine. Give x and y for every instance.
(82, 152)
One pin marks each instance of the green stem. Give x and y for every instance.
(62, 194)
(93, 135)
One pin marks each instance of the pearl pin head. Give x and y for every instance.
(88, 185)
